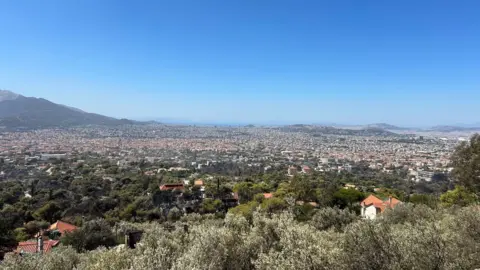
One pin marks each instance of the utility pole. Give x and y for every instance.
(40, 244)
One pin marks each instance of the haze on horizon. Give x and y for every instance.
(407, 63)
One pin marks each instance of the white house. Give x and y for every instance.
(372, 206)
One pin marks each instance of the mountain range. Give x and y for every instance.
(441, 128)
(20, 112)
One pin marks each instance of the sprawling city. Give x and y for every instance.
(197, 148)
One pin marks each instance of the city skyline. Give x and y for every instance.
(407, 64)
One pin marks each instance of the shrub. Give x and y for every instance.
(92, 235)
(21, 234)
(410, 213)
(64, 258)
(410, 237)
(327, 218)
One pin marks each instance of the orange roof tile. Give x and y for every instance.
(179, 186)
(394, 202)
(267, 195)
(382, 205)
(31, 246)
(371, 199)
(62, 227)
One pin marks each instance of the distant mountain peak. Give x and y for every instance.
(19, 112)
(8, 95)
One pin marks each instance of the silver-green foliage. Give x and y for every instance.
(407, 238)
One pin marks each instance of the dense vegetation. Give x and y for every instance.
(409, 237)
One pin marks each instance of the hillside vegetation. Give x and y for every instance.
(409, 237)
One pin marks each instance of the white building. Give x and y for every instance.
(372, 206)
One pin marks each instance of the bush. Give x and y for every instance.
(460, 196)
(21, 234)
(62, 259)
(92, 235)
(273, 205)
(327, 218)
(211, 206)
(428, 200)
(246, 210)
(410, 213)
(174, 214)
(34, 227)
(409, 237)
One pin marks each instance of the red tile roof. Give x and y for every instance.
(382, 205)
(62, 227)
(371, 199)
(31, 246)
(393, 202)
(267, 195)
(172, 187)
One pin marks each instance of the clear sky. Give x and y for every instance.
(409, 62)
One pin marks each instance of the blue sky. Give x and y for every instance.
(407, 62)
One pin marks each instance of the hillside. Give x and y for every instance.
(326, 130)
(386, 126)
(453, 128)
(19, 112)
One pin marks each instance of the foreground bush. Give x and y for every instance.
(92, 235)
(407, 238)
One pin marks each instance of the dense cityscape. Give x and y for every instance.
(195, 147)
(239, 135)
(85, 187)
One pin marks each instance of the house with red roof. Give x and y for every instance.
(179, 186)
(32, 247)
(58, 228)
(43, 244)
(62, 227)
(372, 206)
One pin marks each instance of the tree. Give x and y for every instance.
(93, 234)
(161, 197)
(428, 200)
(7, 238)
(49, 212)
(246, 190)
(303, 188)
(246, 210)
(274, 205)
(336, 218)
(211, 205)
(21, 234)
(459, 196)
(129, 212)
(303, 212)
(466, 164)
(217, 191)
(347, 198)
(174, 214)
